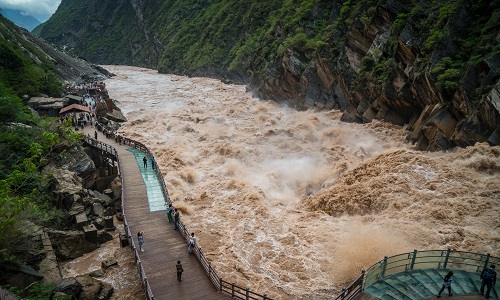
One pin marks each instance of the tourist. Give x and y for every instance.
(179, 268)
(192, 242)
(170, 211)
(145, 161)
(176, 219)
(152, 162)
(446, 284)
(140, 239)
(489, 277)
(95, 134)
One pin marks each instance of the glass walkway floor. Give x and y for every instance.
(153, 186)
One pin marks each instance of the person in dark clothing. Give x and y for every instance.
(170, 212)
(176, 219)
(446, 284)
(489, 277)
(145, 161)
(95, 134)
(179, 270)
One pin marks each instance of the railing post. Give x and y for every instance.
(363, 273)
(232, 290)
(446, 258)
(413, 259)
(247, 294)
(220, 284)
(382, 273)
(209, 270)
(486, 261)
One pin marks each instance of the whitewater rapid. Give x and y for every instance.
(295, 204)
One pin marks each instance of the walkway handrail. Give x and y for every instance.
(112, 151)
(235, 291)
(428, 259)
(440, 259)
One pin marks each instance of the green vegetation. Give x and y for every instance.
(221, 38)
(27, 143)
(39, 291)
(99, 31)
(20, 72)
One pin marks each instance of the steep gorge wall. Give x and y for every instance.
(430, 66)
(104, 32)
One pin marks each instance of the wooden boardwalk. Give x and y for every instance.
(163, 246)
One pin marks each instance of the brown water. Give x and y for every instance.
(124, 277)
(293, 203)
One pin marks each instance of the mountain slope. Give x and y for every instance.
(432, 65)
(104, 32)
(30, 66)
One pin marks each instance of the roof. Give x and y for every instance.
(75, 107)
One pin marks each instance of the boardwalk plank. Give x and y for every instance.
(163, 246)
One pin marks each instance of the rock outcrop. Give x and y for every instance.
(94, 289)
(425, 65)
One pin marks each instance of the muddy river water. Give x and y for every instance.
(296, 204)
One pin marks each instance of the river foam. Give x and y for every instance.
(297, 203)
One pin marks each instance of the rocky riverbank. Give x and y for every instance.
(84, 257)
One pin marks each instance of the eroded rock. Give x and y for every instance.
(70, 244)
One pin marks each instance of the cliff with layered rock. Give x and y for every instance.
(431, 66)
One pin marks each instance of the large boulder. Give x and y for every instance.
(116, 187)
(70, 244)
(102, 198)
(69, 286)
(93, 289)
(76, 160)
(66, 185)
(114, 113)
(98, 209)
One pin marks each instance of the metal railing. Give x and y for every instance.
(225, 287)
(418, 260)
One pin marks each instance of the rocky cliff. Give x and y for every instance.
(104, 32)
(432, 66)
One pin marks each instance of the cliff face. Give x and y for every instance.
(430, 66)
(104, 32)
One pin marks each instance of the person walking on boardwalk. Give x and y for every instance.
(145, 161)
(95, 134)
(179, 268)
(446, 284)
(191, 243)
(140, 239)
(489, 277)
(170, 212)
(153, 162)
(176, 219)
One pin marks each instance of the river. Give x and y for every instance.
(297, 203)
